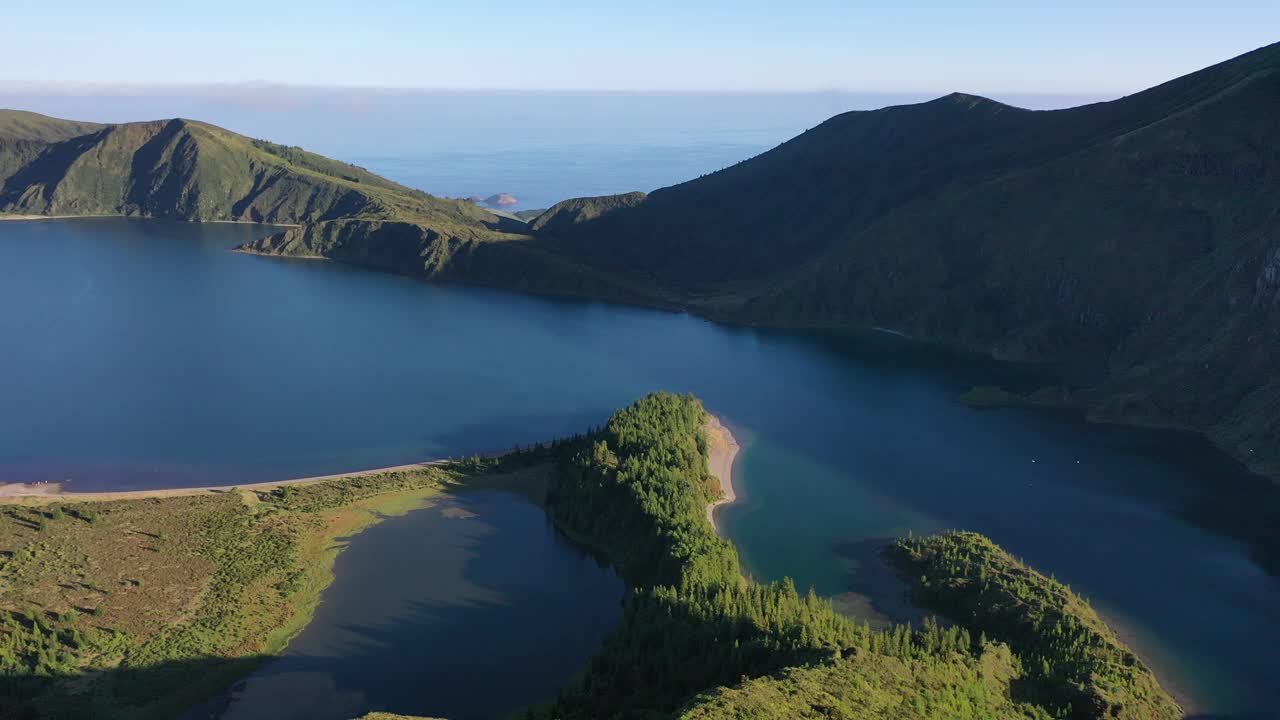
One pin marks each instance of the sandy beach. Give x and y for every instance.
(722, 453)
(54, 489)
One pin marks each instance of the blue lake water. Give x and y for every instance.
(469, 609)
(144, 354)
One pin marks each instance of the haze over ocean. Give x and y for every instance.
(541, 147)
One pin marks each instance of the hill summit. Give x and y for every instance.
(1135, 242)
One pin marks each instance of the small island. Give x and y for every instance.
(500, 200)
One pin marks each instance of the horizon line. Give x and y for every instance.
(72, 87)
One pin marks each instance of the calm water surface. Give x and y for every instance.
(142, 354)
(459, 610)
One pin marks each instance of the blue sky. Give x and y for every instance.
(988, 47)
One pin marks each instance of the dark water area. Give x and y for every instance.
(143, 354)
(469, 609)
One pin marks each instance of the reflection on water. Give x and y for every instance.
(468, 609)
(142, 354)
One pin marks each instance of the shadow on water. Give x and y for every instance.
(500, 434)
(874, 590)
(1211, 489)
(469, 609)
(853, 438)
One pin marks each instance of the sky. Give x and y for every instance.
(1083, 47)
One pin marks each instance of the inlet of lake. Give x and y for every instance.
(142, 354)
(468, 609)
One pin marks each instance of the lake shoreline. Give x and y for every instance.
(716, 315)
(722, 451)
(29, 217)
(707, 310)
(54, 491)
(58, 217)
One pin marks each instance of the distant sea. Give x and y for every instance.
(541, 147)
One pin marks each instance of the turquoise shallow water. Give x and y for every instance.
(143, 354)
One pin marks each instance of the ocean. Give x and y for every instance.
(541, 147)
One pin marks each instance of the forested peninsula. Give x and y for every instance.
(235, 574)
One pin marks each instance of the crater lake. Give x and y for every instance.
(144, 354)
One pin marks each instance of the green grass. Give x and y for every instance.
(29, 126)
(190, 170)
(960, 221)
(141, 608)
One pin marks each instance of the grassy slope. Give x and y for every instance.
(195, 171)
(139, 608)
(567, 213)
(25, 135)
(23, 125)
(177, 596)
(1135, 238)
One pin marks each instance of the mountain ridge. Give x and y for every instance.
(1135, 239)
(189, 170)
(1086, 236)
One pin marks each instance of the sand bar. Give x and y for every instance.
(721, 454)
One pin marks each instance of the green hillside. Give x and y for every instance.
(696, 634)
(29, 126)
(189, 170)
(567, 213)
(1133, 241)
(140, 605)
